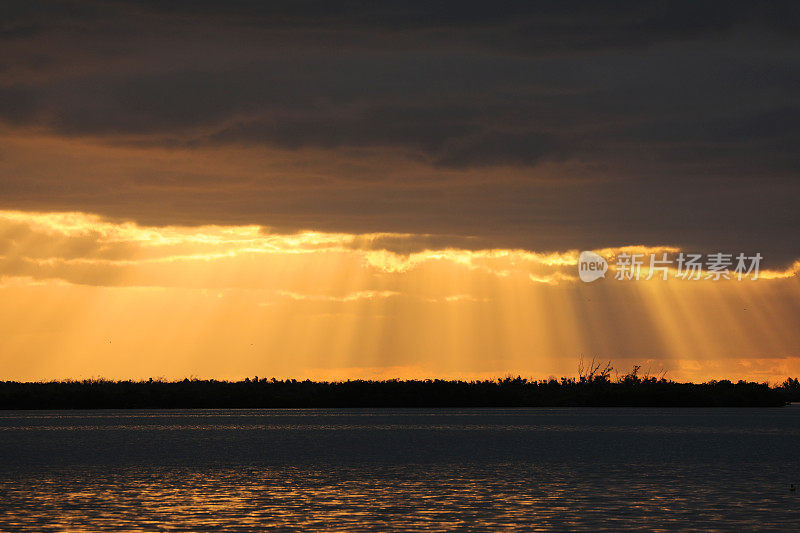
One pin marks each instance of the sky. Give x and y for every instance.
(395, 189)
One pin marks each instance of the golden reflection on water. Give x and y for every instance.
(436, 498)
(395, 470)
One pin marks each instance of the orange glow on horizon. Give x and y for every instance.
(86, 296)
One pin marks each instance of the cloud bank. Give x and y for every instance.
(537, 126)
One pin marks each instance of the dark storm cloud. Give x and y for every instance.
(528, 25)
(537, 124)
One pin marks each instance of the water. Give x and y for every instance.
(400, 469)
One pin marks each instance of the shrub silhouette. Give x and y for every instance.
(593, 387)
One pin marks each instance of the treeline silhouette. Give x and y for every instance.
(593, 389)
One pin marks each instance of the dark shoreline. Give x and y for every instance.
(508, 392)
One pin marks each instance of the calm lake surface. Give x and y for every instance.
(400, 469)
